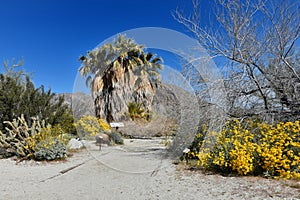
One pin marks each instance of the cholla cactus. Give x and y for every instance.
(18, 137)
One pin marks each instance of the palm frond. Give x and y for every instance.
(88, 80)
(156, 60)
(149, 56)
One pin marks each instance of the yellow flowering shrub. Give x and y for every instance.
(91, 126)
(104, 125)
(48, 144)
(88, 126)
(254, 148)
(280, 149)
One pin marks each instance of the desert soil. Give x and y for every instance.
(137, 170)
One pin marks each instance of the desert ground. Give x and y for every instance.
(139, 169)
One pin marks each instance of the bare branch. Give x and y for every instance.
(258, 40)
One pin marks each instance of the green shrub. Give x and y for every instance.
(19, 96)
(116, 137)
(136, 111)
(66, 123)
(198, 141)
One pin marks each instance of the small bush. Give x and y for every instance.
(66, 123)
(49, 143)
(116, 137)
(50, 149)
(136, 111)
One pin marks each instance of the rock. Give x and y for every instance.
(82, 105)
(166, 103)
(102, 138)
(75, 144)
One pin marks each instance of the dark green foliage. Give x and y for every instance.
(10, 92)
(116, 137)
(197, 142)
(38, 102)
(66, 123)
(18, 96)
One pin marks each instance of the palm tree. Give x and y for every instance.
(103, 65)
(151, 66)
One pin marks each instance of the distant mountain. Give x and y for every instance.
(80, 103)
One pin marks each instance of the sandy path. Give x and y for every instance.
(137, 170)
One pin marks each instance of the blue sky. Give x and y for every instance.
(50, 35)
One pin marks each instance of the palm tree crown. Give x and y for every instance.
(122, 53)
